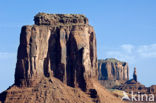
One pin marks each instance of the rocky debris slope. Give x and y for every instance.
(57, 63)
(112, 72)
(47, 91)
(54, 91)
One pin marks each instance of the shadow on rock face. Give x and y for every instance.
(3, 97)
(93, 93)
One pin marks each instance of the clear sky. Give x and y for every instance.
(125, 29)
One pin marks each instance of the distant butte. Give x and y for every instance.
(112, 72)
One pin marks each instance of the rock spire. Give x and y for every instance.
(135, 74)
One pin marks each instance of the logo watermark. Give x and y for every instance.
(138, 97)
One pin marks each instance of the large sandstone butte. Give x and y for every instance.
(112, 72)
(57, 63)
(63, 46)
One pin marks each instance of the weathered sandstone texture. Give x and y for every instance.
(112, 69)
(57, 63)
(112, 72)
(59, 45)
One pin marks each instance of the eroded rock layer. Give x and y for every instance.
(57, 63)
(63, 46)
(112, 69)
(112, 72)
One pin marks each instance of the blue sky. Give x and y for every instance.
(125, 29)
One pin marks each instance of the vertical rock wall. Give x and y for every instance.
(63, 46)
(112, 69)
(112, 72)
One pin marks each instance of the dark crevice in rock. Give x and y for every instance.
(91, 38)
(55, 55)
(46, 67)
(104, 72)
(3, 97)
(59, 67)
(19, 72)
(80, 70)
(93, 93)
(113, 71)
(75, 69)
(71, 60)
(22, 52)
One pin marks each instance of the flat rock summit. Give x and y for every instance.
(112, 72)
(61, 46)
(57, 63)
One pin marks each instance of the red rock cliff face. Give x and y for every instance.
(57, 63)
(112, 72)
(112, 69)
(63, 46)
